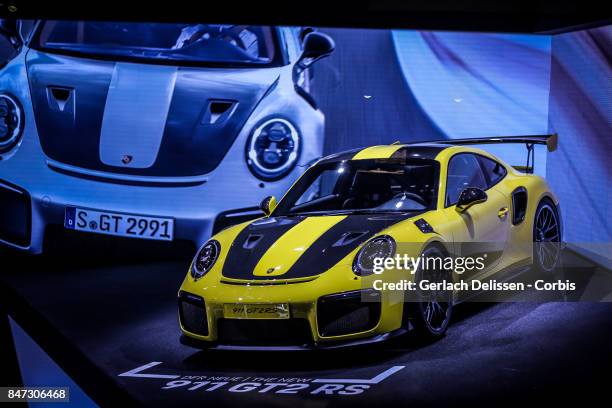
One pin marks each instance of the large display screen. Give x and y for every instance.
(232, 214)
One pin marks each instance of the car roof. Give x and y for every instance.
(417, 150)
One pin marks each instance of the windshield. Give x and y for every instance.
(363, 186)
(196, 43)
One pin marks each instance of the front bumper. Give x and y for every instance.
(332, 345)
(331, 320)
(36, 209)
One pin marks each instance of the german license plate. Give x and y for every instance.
(123, 225)
(256, 311)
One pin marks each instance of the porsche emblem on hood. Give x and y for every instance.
(126, 159)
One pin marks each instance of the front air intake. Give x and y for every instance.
(192, 313)
(264, 332)
(15, 215)
(348, 312)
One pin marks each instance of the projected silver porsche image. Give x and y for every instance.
(126, 128)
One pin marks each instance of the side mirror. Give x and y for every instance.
(268, 205)
(469, 197)
(304, 32)
(316, 46)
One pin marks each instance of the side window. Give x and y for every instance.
(494, 171)
(463, 171)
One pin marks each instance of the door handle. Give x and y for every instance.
(502, 212)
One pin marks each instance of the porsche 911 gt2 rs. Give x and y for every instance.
(301, 276)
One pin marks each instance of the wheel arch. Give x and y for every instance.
(554, 201)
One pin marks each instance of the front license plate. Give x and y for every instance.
(123, 225)
(256, 311)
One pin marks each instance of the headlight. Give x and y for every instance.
(205, 259)
(273, 149)
(11, 122)
(379, 247)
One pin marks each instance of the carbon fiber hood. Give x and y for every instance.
(142, 119)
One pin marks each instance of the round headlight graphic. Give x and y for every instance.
(379, 247)
(273, 149)
(11, 122)
(205, 259)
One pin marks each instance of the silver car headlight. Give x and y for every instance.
(380, 247)
(205, 259)
(273, 149)
(11, 122)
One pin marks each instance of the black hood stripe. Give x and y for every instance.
(318, 258)
(242, 259)
(190, 144)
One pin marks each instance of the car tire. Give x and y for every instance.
(428, 313)
(546, 237)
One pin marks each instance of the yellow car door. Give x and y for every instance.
(481, 224)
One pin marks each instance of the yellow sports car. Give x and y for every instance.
(304, 275)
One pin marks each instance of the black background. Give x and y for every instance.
(469, 15)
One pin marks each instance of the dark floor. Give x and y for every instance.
(118, 312)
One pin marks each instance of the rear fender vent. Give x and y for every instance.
(218, 111)
(519, 205)
(349, 237)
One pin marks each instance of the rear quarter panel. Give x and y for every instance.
(521, 235)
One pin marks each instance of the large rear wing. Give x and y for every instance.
(529, 141)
